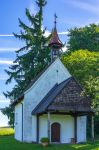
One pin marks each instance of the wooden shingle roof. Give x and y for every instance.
(55, 39)
(66, 96)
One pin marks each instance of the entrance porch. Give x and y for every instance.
(61, 128)
(62, 113)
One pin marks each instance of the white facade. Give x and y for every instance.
(56, 73)
(18, 122)
(81, 129)
(66, 127)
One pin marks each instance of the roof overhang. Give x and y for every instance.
(18, 100)
(64, 97)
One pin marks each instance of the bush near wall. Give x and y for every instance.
(6, 131)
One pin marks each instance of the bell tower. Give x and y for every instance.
(55, 44)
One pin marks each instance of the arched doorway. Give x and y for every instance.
(55, 132)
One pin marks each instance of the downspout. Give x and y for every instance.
(22, 121)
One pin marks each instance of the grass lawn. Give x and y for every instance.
(9, 143)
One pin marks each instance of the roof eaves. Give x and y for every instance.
(18, 100)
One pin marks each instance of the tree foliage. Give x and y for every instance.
(84, 65)
(9, 111)
(31, 58)
(84, 38)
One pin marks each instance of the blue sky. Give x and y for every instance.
(70, 13)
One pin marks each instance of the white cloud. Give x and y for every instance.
(63, 33)
(4, 101)
(64, 49)
(91, 7)
(6, 35)
(79, 23)
(8, 49)
(47, 33)
(7, 62)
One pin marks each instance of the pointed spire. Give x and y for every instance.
(55, 41)
(55, 44)
(55, 22)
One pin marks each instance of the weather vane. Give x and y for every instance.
(55, 19)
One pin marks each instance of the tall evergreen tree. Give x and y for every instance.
(31, 58)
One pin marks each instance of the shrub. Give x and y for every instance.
(44, 139)
(6, 131)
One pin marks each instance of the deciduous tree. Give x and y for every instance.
(84, 38)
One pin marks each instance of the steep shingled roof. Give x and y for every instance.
(55, 39)
(66, 96)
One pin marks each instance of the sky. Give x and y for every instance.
(3, 120)
(71, 13)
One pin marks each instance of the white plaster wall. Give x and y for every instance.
(43, 127)
(67, 127)
(37, 92)
(34, 127)
(81, 129)
(18, 122)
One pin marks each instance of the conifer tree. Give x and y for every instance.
(31, 58)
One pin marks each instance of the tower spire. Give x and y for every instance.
(55, 44)
(55, 22)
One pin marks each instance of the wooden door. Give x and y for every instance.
(55, 132)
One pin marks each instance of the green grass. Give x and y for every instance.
(6, 131)
(9, 143)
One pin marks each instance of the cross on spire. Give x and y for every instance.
(55, 20)
(55, 44)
